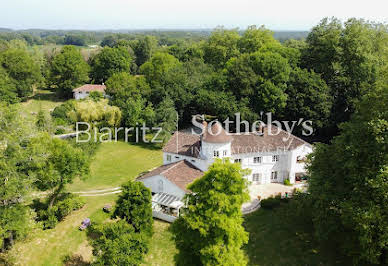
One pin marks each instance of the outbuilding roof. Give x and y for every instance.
(90, 87)
(180, 173)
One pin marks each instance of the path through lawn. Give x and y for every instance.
(113, 164)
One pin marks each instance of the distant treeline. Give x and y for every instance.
(83, 38)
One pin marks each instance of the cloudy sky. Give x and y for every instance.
(182, 14)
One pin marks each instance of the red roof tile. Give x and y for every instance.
(180, 173)
(188, 144)
(91, 87)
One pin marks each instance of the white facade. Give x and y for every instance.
(160, 184)
(266, 167)
(273, 167)
(78, 95)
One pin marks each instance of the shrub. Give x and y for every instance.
(60, 131)
(96, 96)
(62, 110)
(271, 202)
(65, 204)
(287, 182)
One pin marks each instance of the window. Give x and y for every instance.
(224, 153)
(177, 157)
(275, 158)
(193, 161)
(274, 175)
(216, 154)
(237, 160)
(256, 177)
(256, 159)
(168, 158)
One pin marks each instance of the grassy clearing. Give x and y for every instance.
(275, 239)
(42, 99)
(116, 163)
(113, 164)
(162, 250)
(49, 247)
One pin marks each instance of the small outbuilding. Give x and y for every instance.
(84, 91)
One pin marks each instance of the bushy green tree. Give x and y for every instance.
(43, 122)
(167, 118)
(255, 38)
(348, 183)
(118, 244)
(15, 218)
(123, 84)
(210, 232)
(350, 57)
(134, 206)
(54, 163)
(158, 66)
(308, 97)
(261, 77)
(68, 70)
(8, 91)
(144, 49)
(21, 68)
(221, 46)
(97, 112)
(110, 61)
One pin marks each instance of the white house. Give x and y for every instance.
(271, 157)
(84, 91)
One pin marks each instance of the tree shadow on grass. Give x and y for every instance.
(47, 96)
(75, 260)
(276, 237)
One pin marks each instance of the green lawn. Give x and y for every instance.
(113, 164)
(42, 99)
(116, 163)
(275, 239)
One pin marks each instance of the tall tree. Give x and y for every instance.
(144, 48)
(166, 118)
(134, 206)
(349, 183)
(110, 61)
(54, 163)
(119, 244)
(221, 46)
(8, 91)
(210, 232)
(15, 218)
(255, 38)
(21, 68)
(261, 77)
(68, 70)
(308, 97)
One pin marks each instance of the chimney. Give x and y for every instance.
(204, 129)
(261, 129)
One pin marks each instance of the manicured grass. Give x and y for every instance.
(116, 163)
(162, 250)
(49, 247)
(113, 164)
(275, 239)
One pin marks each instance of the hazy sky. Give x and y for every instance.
(162, 14)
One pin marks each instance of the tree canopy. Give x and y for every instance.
(68, 70)
(210, 231)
